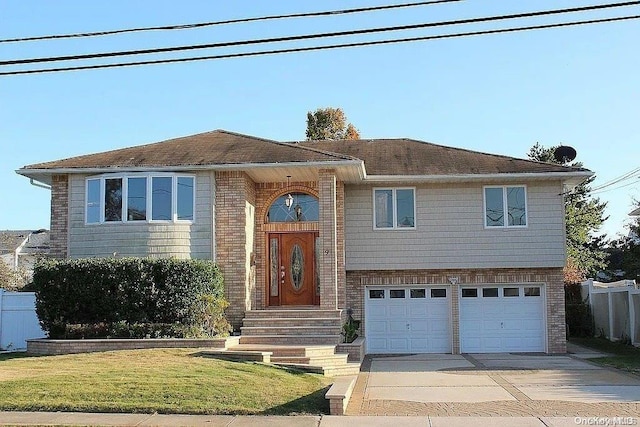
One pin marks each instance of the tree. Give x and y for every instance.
(625, 253)
(584, 215)
(329, 123)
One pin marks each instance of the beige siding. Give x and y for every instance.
(142, 239)
(450, 231)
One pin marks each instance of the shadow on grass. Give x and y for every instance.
(15, 355)
(311, 404)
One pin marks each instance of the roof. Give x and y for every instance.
(411, 157)
(268, 160)
(36, 241)
(218, 147)
(635, 212)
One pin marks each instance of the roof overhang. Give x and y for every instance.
(569, 179)
(635, 212)
(346, 170)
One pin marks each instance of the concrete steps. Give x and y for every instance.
(300, 338)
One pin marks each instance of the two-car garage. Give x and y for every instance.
(420, 319)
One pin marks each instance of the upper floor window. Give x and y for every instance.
(394, 208)
(294, 207)
(139, 197)
(508, 202)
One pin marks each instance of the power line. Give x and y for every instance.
(318, 35)
(316, 48)
(613, 181)
(229, 21)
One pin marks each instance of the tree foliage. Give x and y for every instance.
(329, 123)
(584, 215)
(625, 253)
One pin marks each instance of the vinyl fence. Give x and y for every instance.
(18, 320)
(615, 308)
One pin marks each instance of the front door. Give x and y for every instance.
(292, 277)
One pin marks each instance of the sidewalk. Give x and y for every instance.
(102, 419)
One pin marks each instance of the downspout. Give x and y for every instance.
(39, 184)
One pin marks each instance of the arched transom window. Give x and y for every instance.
(294, 207)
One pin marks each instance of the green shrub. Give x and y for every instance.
(578, 313)
(127, 297)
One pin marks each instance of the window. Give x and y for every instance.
(532, 292)
(140, 197)
(438, 293)
(396, 293)
(394, 208)
(376, 294)
(418, 293)
(469, 292)
(302, 207)
(489, 292)
(509, 200)
(511, 292)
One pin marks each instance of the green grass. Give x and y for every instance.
(623, 356)
(160, 380)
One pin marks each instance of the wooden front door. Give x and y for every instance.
(292, 269)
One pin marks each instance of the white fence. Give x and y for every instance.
(18, 320)
(615, 308)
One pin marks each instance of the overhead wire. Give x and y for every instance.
(228, 21)
(319, 35)
(317, 48)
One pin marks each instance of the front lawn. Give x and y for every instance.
(160, 380)
(626, 357)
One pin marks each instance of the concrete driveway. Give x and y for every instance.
(492, 385)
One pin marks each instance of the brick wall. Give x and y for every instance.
(551, 277)
(235, 192)
(59, 216)
(328, 240)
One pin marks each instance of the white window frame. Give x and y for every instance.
(395, 208)
(505, 206)
(125, 197)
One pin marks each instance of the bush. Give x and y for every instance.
(131, 297)
(578, 313)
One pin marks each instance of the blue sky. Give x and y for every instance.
(498, 93)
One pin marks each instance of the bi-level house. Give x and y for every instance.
(434, 249)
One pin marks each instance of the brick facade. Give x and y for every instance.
(59, 236)
(552, 278)
(234, 222)
(328, 240)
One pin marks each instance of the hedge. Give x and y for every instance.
(128, 297)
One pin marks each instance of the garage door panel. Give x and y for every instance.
(377, 326)
(396, 327)
(399, 345)
(416, 323)
(502, 323)
(397, 310)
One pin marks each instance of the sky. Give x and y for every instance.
(500, 93)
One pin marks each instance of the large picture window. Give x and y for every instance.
(508, 202)
(140, 197)
(394, 208)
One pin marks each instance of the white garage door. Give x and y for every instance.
(496, 319)
(412, 319)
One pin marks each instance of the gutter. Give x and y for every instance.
(581, 175)
(38, 184)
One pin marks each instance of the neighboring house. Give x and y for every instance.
(19, 249)
(435, 249)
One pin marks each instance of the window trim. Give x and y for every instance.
(149, 195)
(505, 206)
(394, 199)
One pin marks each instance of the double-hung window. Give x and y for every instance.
(139, 198)
(394, 208)
(505, 206)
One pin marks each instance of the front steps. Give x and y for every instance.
(301, 338)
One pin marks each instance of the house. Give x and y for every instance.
(435, 249)
(20, 249)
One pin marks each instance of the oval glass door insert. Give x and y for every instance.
(297, 267)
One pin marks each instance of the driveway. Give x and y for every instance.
(493, 385)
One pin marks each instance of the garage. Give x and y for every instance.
(414, 319)
(505, 318)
